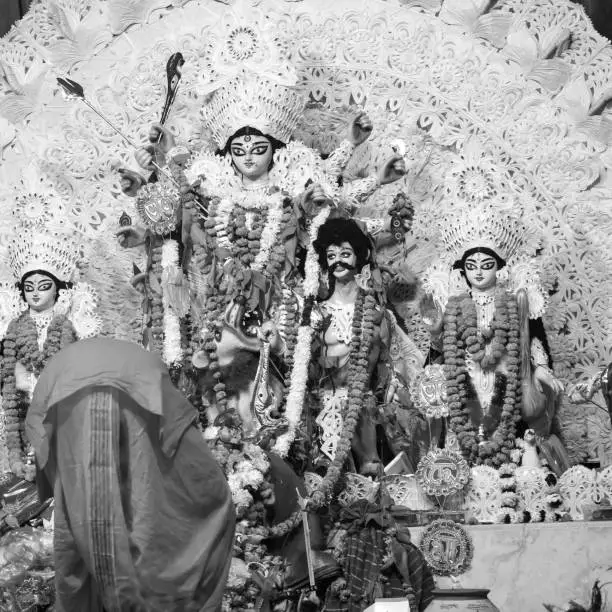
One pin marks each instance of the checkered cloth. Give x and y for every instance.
(365, 551)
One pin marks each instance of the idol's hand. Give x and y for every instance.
(268, 332)
(360, 129)
(431, 314)
(162, 140)
(130, 181)
(581, 392)
(315, 195)
(161, 137)
(543, 375)
(145, 157)
(131, 236)
(138, 281)
(29, 473)
(397, 393)
(392, 170)
(24, 381)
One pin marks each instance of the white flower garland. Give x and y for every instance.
(270, 232)
(297, 390)
(301, 359)
(222, 221)
(172, 351)
(311, 267)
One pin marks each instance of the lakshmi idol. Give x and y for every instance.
(490, 337)
(48, 314)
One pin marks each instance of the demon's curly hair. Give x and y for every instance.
(338, 230)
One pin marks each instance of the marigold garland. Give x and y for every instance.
(358, 396)
(502, 338)
(156, 298)
(21, 345)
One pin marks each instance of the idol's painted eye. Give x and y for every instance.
(260, 149)
(238, 151)
(45, 285)
(469, 265)
(28, 287)
(488, 265)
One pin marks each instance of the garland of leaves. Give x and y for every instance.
(502, 338)
(21, 346)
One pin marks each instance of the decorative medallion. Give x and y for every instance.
(447, 547)
(429, 392)
(157, 204)
(442, 472)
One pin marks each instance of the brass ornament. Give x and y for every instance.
(442, 472)
(447, 547)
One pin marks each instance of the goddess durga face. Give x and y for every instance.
(252, 156)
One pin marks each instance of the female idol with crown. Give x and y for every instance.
(43, 258)
(490, 336)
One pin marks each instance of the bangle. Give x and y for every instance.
(178, 154)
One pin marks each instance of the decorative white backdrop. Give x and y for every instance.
(506, 104)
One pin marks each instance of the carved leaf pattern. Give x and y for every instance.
(483, 500)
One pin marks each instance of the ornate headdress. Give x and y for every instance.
(497, 228)
(42, 240)
(481, 226)
(249, 79)
(256, 101)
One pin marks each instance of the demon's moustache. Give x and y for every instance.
(340, 265)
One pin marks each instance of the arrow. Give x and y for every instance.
(74, 90)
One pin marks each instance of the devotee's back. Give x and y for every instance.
(143, 514)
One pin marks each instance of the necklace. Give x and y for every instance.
(483, 297)
(341, 320)
(42, 320)
(485, 307)
(256, 186)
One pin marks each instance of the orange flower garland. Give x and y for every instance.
(21, 345)
(156, 300)
(461, 335)
(358, 378)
